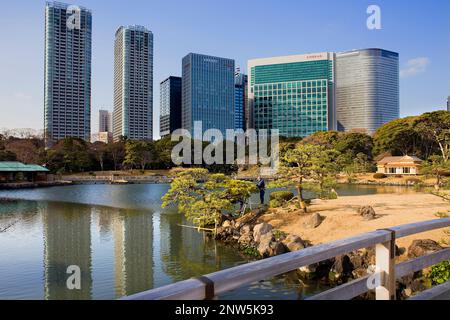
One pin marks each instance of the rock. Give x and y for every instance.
(276, 248)
(422, 247)
(294, 243)
(342, 266)
(245, 229)
(367, 212)
(226, 223)
(264, 244)
(245, 239)
(356, 260)
(314, 221)
(408, 292)
(261, 229)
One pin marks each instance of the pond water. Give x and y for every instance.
(122, 241)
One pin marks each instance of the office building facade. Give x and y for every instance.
(133, 83)
(294, 94)
(367, 89)
(67, 96)
(104, 121)
(170, 106)
(240, 101)
(208, 92)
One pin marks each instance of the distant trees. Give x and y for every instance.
(69, 155)
(423, 136)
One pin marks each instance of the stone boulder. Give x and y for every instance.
(342, 267)
(276, 248)
(261, 229)
(313, 221)
(226, 223)
(264, 243)
(294, 243)
(245, 229)
(245, 239)
(367, 212)
(422, 247)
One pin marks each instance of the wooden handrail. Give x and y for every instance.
(232, 278)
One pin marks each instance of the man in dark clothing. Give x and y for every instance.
(261, 184)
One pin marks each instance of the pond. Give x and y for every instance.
(122, 241)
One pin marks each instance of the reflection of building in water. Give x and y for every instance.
(104, 219)
(67, 241)
(133, 251)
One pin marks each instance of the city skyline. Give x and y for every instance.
(422, 61)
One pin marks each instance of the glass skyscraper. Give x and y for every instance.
(367, 89)
(133, 84)
(170, 106)
(208, 92)
(240, 100)
(67, 97)
(294, 94)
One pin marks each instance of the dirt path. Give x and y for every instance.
(342, 220)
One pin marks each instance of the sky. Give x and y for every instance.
(239, 29)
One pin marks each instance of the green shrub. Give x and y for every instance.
(250, 251)
(281, 196)
(440, 273)
(274, 203)
(379, 175)
(279, 235)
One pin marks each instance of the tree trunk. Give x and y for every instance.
(301, 201)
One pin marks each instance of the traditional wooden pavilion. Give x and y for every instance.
(13, 171)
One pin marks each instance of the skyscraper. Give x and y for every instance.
(104, 121)
(240, 101)
(67, 101)
(294, 94)
(133, 83)
(448, 103)
(170, 104)
(208, 92)
(367, 89)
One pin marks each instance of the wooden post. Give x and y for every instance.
(385, 262)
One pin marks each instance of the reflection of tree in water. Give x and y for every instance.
(15, 211)
(187, 253)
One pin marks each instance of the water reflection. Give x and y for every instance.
(120, 251)
(67, 241)
(133, 251)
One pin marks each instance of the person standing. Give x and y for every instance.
(261, 184)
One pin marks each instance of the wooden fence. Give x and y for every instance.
(211, 285)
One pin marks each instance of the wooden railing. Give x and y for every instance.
(214, 284)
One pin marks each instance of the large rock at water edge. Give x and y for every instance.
(261, 229)
(264, 243)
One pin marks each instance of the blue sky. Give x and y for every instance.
(238, 29)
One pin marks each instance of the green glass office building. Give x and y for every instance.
(294, 94)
